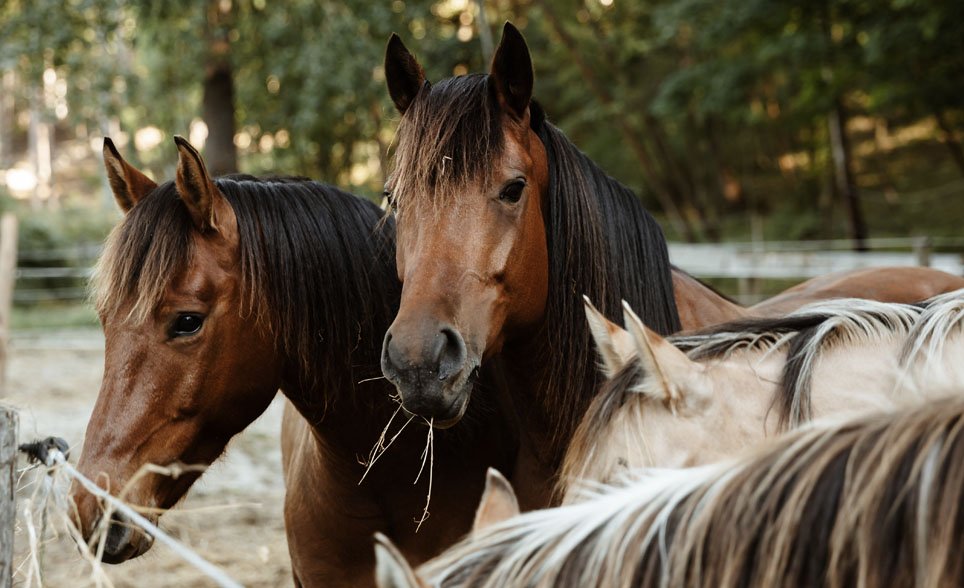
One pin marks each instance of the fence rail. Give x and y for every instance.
(737, 260)
(70, 267)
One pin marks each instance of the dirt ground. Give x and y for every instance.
(232, 516)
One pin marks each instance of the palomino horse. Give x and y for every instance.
(213, 294)
(741, 382)
(876, 502)
(502, 225)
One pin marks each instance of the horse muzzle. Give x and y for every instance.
(122, 539)
(432, 373)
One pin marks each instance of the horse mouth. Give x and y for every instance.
(447, 422)
(124, 541)
(431, 408)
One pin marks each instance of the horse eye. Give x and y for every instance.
(387, 195)
(186, 324)
(512, 192)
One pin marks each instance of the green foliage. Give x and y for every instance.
(718, 95)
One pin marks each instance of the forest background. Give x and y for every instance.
(763, 119)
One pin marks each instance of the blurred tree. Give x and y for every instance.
(57, 52)
(707, 108)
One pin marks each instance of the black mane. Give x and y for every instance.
(317, 269)
(604, 244)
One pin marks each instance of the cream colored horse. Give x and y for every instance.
(876, 502)
(696, 399)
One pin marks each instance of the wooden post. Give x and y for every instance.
(8, 274)
(922, 251)
(8, 507)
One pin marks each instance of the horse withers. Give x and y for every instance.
(215, 293)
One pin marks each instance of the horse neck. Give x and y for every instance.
(518, 379)
(870, 375)
(699, 306)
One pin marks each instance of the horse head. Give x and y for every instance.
(468, 191)
(186, 367)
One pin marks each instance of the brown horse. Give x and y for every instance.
(213, 294)
(502, 225)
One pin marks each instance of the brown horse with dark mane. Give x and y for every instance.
(503, 224)
(215, 293)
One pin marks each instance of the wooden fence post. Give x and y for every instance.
(8, 507)
(8, 275)
(922, 251)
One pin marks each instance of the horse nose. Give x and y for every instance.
(441, 356)
(119, 535)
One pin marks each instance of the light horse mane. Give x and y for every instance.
(811, 331)
(601, 240)
(317, 270)
(872, 502)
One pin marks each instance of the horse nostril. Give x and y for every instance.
(118, 534)
(452, 354)
(390, 360)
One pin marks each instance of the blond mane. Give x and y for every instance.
(612, 433)
(873, 502)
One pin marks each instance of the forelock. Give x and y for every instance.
(447, 139)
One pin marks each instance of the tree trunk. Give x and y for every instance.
(843, 174)
(679, 180)
(220, 154)
(8, 122)
(39, 148)
(485, 34)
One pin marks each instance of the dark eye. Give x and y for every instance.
(186, 324)
(387, 195)
(512, 191)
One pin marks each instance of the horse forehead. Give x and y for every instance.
(210, 271)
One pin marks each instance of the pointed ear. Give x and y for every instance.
(195, 186)
(392, 570)
(512, 72)
(666, 368)
(614, 346)
(498, 502)
(404, 75)
(128, 185)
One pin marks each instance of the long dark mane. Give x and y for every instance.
(604, 244)
(317, 269)
(601, 240)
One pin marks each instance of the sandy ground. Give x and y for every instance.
(232, 516)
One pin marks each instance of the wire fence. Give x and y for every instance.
(49, 504)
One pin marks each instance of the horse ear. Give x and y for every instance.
(665, 366)
(128, 184)
(512, 72)
(404, 75)
(392, 570)
(614, 345)
(195, 186)
(498, 502)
